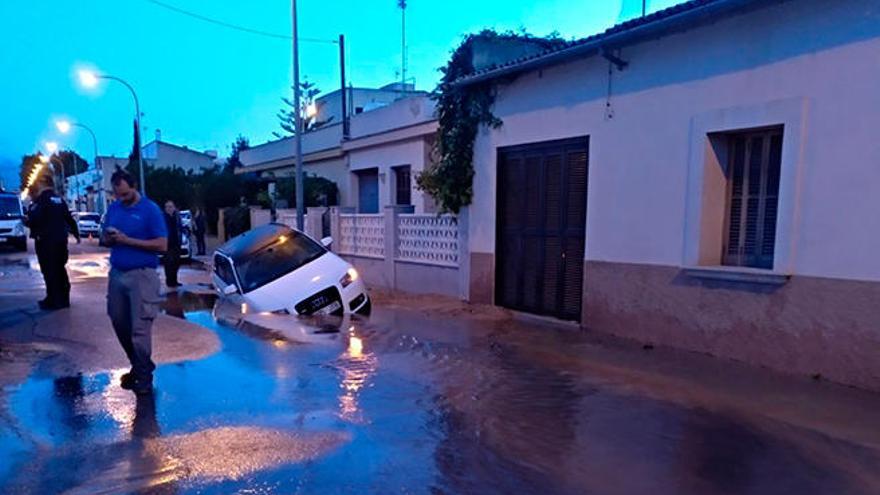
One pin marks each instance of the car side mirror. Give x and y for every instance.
(230, 290)
(327, 242)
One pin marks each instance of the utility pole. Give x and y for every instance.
(345, 128)
(300, 202)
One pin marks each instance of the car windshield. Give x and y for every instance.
(90, 218)
(289, 252)
(9, 207)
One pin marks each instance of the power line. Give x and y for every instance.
(236, 27)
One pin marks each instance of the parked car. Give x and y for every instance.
(274, 268)
(186, 218)
(186, 234)
(89, 224)
(12, 229)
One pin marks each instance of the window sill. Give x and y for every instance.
(736, 274)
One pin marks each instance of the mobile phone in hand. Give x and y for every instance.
(107, 238)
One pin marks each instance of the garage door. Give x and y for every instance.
(542, 210)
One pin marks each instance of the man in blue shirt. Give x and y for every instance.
(135, 230)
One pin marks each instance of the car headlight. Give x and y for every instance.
(350, 276)
(18, 230)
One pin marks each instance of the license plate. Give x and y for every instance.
(326, 310)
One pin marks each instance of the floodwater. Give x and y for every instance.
(409, 402)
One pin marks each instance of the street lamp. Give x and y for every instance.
(89, 79)
(64, 127)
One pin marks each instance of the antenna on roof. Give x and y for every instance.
(629, 9)
(402, 5)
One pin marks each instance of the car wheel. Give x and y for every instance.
(21, 245)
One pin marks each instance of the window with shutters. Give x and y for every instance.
(753, 175)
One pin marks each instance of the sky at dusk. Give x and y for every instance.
(203, 84)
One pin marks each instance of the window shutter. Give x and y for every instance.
(753, 198)
(737, 176)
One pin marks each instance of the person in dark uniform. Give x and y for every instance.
(171, 261)
(50, 222)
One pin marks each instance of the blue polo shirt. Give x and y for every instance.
(142, 220)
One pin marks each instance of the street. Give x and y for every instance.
(428, 395)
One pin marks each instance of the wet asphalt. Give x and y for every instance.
(438, 400)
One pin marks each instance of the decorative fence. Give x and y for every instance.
(428, 239)
(289, 219)
(420, 253)
(362, 235)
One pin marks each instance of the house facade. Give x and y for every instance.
(705, 177)
(91, 190)
(373, 166)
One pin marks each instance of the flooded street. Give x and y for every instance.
(430, 397)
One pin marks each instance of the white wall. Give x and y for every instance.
(401, 113)
(387, 156)
(284, 149)
(821, 53)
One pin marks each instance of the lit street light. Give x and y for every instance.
(89, 79)
(51, 147)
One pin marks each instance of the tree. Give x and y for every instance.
(240, 144)
(132, 167)
(172, 184)
(308, 93)
(220, 187)
(318, 190)
(73, 163)
(28, 162)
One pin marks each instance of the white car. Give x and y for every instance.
(89, 224)
(274, 268)
(12, 229)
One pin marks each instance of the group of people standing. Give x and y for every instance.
(137, 232)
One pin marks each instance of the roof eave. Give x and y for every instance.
(674, 23)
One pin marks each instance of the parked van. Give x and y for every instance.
(12, 229)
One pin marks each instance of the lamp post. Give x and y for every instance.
(90, 79)
(64, 127)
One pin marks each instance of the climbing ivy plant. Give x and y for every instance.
(461, 110)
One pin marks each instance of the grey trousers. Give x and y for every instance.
(133, 302)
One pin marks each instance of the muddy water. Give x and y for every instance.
(407, 402)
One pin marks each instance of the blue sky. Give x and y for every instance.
(203, 84)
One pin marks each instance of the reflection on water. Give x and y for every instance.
(356, 367)
(118, 403)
